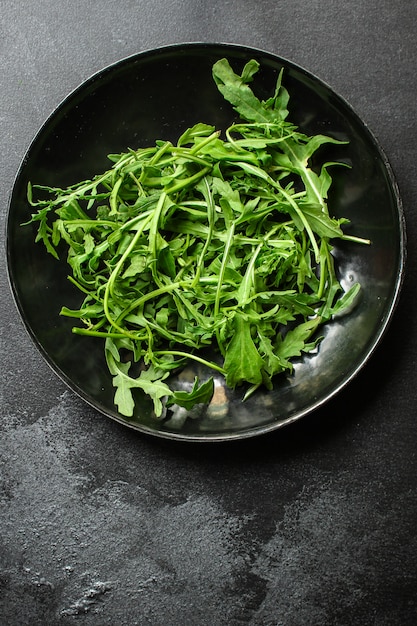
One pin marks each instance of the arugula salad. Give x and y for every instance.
(216, 249)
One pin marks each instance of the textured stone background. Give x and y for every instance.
(311, 526)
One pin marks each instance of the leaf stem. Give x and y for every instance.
(227, 247)
(194, 357)
(110, 283)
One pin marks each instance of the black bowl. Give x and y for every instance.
(157, 95)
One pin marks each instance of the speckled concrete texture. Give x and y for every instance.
(314, 525)
(101, 524)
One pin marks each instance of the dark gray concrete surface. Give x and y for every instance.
(314, 525)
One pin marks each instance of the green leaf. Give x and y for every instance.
(191, 134)
(295, 341)
(136, 265)
(200, 394)
(243, 362)
(150, 381)
(249, 71)
(166, 262)
(320, 222)
(273, 363)
(234, 89)
(347, 301)
(44, 235)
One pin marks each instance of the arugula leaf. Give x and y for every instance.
(295, 341)
(150, 381)
(235, 89)
(200, 394)
(242, 362)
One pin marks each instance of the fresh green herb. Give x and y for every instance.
(210, 243)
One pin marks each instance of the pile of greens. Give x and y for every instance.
(212, 242)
